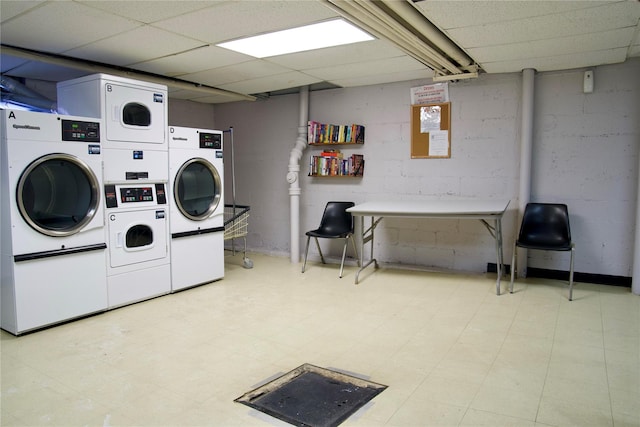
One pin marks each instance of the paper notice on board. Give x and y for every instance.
(430, 118)
(430, 94)
(439, 143)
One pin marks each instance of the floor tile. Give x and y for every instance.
(450, 351)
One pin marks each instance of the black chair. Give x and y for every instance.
(336, 223)
(545, 226)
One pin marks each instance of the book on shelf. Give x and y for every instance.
(324, 133)
(336, 165)
(358, 165)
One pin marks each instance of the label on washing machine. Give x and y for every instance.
(94, 149)
(160, 214)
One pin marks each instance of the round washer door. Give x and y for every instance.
(197, 189)
(58, 194)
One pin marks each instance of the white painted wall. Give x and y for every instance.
(585, 154)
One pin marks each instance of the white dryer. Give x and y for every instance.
(138, 258)
(135, 115)
(196, 173)
(52, 219)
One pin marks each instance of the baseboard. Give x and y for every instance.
(542, 273)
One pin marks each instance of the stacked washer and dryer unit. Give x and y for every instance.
(52, 250)
(136, 176)
(86, 198)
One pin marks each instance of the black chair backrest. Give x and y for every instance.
(545, 225)
(336, 220)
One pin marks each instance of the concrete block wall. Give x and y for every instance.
(585, 154)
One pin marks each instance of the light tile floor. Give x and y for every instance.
(451, 351)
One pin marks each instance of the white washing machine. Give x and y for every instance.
(52, 220)
(138, 258)
(135, 115)
(196, 173)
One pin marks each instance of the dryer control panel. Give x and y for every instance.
(126, 195)
(211, 140)
(75, 130)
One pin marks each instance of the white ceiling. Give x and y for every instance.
(177, 39)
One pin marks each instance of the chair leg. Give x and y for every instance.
(305, 254)
(513, 268)
(320, 250)
(573, 249)
(344, 254)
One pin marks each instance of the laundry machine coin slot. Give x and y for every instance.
(161, 195)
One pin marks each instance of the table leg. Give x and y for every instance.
(366, 239)
(499, 253)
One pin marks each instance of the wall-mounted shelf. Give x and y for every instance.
(323, 133)
(333, 165)
(330, 163)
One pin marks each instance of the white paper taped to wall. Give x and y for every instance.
(439, 143)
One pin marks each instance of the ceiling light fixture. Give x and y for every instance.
(401, 23)
(309, 37)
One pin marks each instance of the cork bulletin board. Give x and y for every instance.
(431, 131)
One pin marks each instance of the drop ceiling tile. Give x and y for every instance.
(62, 25)
(377, 79)
(271, 83)
(457, 14)
(149, 11)
(236, 73)
(582, 21)
(230, 20)
(560, 46)
(142, 43)
(366, 68)
(11, 8)
(560, 62)
(345, 54)
(193, 61)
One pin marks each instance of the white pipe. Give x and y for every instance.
(526, 144)
(635, 284)
(293, 173)
(79, 64)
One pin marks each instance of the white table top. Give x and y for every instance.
(442, 208)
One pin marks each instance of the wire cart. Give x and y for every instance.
(236, 220)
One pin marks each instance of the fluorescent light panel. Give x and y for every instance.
(315, 36)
